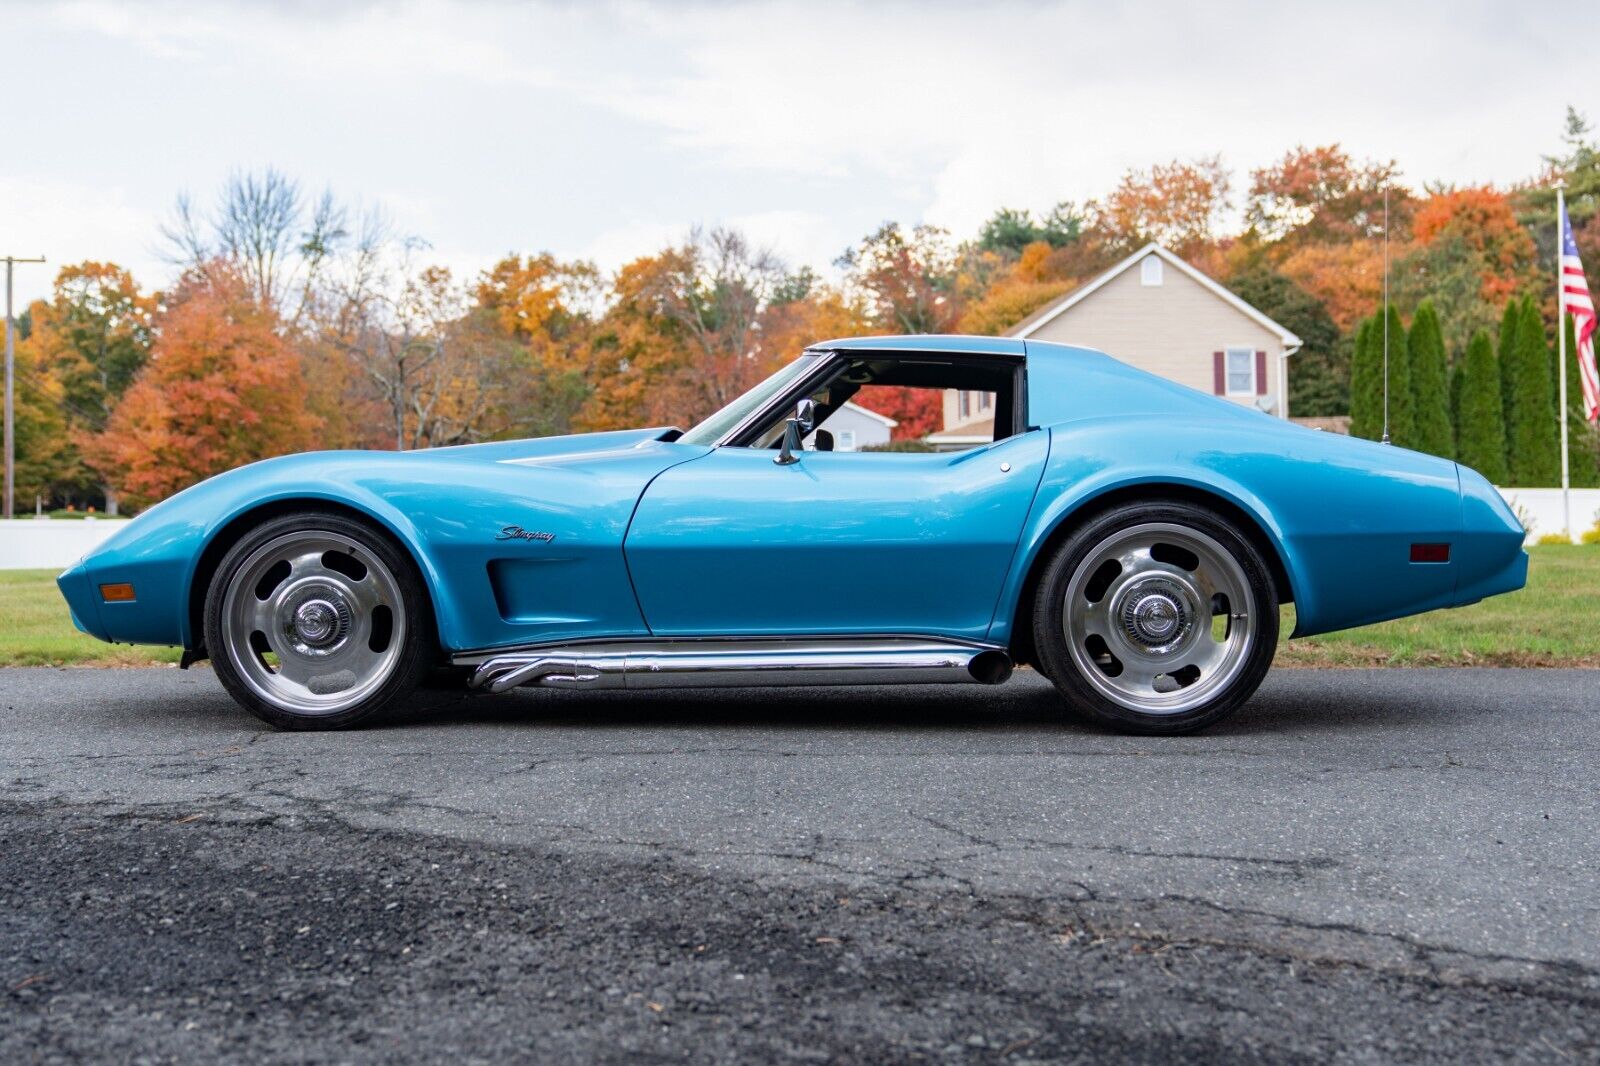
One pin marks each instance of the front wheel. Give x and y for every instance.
(316, 621)
(1157, 618)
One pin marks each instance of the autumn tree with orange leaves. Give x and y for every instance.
(222, 389)
(85, 345)
(1177, 204)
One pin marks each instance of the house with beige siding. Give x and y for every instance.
(1156, 312)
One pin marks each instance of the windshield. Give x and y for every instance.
(717, 426)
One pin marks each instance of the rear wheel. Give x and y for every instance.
(1157, 618)
(316, 621)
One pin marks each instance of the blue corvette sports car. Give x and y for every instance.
(1128, 537)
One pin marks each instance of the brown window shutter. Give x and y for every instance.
(1261, 373)
(1219, 373)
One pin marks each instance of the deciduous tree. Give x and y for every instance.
(1178, 204)
(1320, 195)
(222, 389)
(90, 339)
(264, 232)
(909, 279)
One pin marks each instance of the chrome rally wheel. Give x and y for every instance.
(1160, 618)
(314, 625)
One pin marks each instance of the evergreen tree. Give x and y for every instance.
(1458, 377)
(1366, 384)
(1507, 350)
(1535, 452)
(1430, 385)
(1581, 443)
(1482, 427)
(1402, 409)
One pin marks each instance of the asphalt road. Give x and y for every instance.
(1364, 866)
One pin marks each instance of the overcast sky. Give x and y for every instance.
(606, 130)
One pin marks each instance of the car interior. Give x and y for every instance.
(983, 387)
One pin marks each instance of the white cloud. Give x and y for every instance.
(335, 43)
(606, 130)
(69, 223)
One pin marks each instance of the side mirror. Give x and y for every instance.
(795, 430)
(805, 413)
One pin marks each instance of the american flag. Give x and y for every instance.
(1576, 302)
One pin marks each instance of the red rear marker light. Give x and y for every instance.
(117, 593)
(1430, 553)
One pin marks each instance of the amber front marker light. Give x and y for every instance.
(1430, 553)
(116, 593)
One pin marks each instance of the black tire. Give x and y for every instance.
(415, 651)
(1230, 685)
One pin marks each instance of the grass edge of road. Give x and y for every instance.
(1550, 623)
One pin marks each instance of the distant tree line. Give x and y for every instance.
(295, 321)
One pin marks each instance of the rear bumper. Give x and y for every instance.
(1489, 559)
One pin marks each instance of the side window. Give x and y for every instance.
(1241, 371)
(905, 402)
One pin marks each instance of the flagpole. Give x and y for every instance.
(1561, 360)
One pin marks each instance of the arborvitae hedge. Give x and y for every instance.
(1402, 409)
(1482, 431)
(1430, 385)
(1510, 322)
(1366, 384)
(1535, 452)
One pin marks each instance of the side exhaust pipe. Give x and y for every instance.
(737, 663)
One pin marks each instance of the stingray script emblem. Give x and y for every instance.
(518, 533)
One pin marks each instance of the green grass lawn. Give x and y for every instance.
(1555, 621)
(36, 630)
(1550, 622)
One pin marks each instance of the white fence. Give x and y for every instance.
(51, 543)
(1540, 510)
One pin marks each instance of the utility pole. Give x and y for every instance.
(11, 390)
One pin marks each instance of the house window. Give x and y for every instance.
(1150, 270)
(985, 402)
(847, 440)
(965, 404)
(1241, 368)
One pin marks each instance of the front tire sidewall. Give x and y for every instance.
(1051, 638)
(419, 651)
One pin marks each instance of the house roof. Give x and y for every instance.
(1051, 311)
(884, 420)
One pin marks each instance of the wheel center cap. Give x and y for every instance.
(1155, 615)
(1157, 618)
(317, 622)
